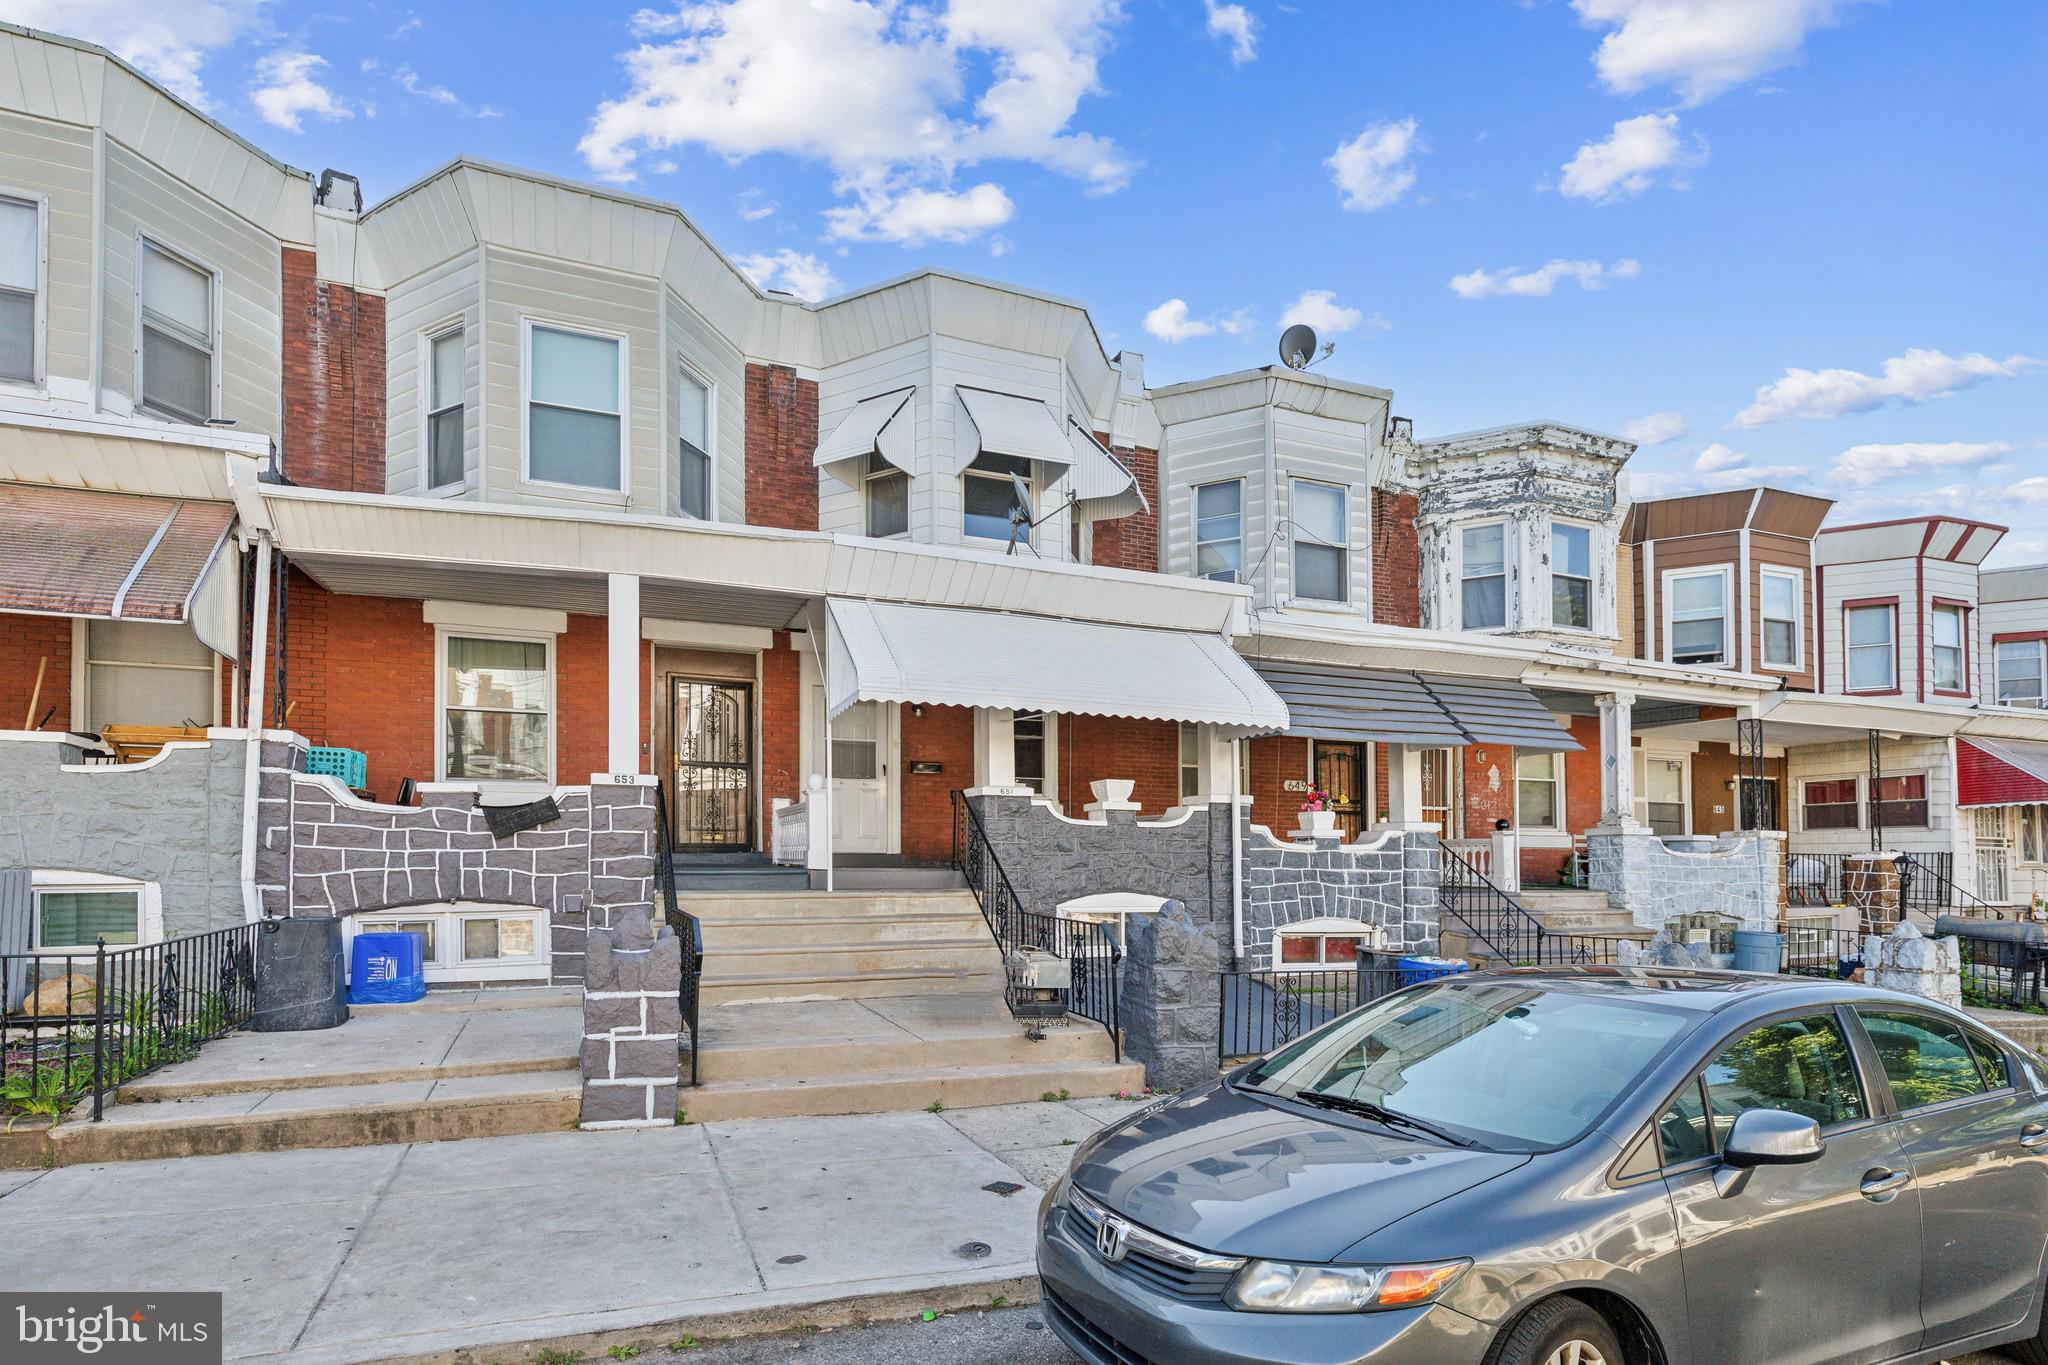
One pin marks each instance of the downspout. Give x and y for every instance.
(1743, 599)
(96, 328)
(252, 770)
(1272, 505)
(824, 686)
(1236, 856)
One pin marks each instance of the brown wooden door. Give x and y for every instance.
(1343, 772)
(713, 728)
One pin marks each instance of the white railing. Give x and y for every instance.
(790, 840)
(1477, 853)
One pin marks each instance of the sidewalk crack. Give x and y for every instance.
(732, 1207)
(376, 1202)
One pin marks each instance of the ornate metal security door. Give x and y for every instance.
(713, 726)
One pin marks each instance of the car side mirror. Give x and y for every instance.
(1766, 1137)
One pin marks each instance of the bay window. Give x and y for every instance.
(177, 343)
(1322, 557)
(1219, 530)
(885, 492)
(1696, 618)
(575, 401)
(21, 274)
(1779, 595)
(1571, 576)
(1951, 653)
(1539, 791)
(1873, 647)
(693, 467)
(1832, 804)
(1483, 577)
(446, 363)
(2022, 673)
(497, 704)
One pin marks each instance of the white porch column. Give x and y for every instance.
(622, 673)
(1404, 787)
(1215, 762)
(1617, 761)
(995, 747)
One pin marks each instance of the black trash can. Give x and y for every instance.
(300, 980)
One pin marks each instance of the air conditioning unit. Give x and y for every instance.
(1222, 576)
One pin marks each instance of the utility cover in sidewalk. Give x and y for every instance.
(972, 1251)
(1005, 1188)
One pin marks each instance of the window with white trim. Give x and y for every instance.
(693, 449)
(2033, 834)
(1902, 801)
(1696, 618)
(1191, 764)
(1951, 666)
(2023, 673)
(1873, 648)
(1832, 803)
(1571, 576)
(1030, 749)
(1323, 945)
(885, 490)
(575, 401)
(988, 498)
(21, 274)
(467, 942)
(447, 364)
(1483, 577)
(1663, 793)
(1322, 554)
(73, 911)
(1780, 597)
(497, 708)
(147, 673)
(1219, 530)
(177, 343)
(1539, 791)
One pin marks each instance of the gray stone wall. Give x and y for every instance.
(1170, 1002)
(176, 821)
(1390, 880)
(1655, 881)
(632, 1026)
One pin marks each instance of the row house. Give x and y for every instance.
(458, 560)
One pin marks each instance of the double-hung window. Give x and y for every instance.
(446, 365)
(1191, 763)
(1873, 647)
(177, 343)
(1779, 596)
(1696, 625)
(1951, 654)
(1029, 735)
(1902, 801)
(1219, 530)
(988, 498)
(575, 430)
(2023, 673)
(1571, 576)
(1539, 791)
(497, 705)
(693, 467)
(1322, 555)
(886, 491)
(1483, 577)
(1664, 794)
(21, 273)
(1831, 804)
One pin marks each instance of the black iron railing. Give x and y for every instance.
(688, 931)
(1513, 936)
(2003, 973)
(1926, 881)
(1092, 955)
(79, 1024)
(1822, 951)
(1260, 1011)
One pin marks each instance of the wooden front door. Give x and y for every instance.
(1343, 771)
(713, 728)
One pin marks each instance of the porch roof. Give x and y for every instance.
(897, 652)
(1398, 707)
(2001, 772)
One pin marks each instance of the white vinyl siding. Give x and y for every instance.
(1782, 599)
(1225, 448)
(50, 164)
(437, 301)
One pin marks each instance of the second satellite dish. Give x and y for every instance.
(1298, 346)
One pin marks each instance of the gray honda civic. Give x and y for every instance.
(1587, 1166)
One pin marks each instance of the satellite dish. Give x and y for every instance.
(1298, 346)
(1023, 516)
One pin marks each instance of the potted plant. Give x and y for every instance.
(1317, 816)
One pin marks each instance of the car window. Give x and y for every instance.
(1683, 1129)
(1802, 1066)
(1927, 1060)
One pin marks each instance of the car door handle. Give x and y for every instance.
(2033, 1136)
(1880, 1185)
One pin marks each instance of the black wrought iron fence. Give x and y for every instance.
(1259, 1011)
(78, 1024)
(1092, 954)
(2003, 973)
(1492, 916)
(688, 931)
(1926, 881)
(1820, 951)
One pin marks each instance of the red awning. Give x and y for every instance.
(2001, 772)
(79, 552)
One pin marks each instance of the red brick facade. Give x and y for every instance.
(1396, 560)
(781, 728)
(1132, 542)
(1147, 752)
(26, 643)
(333, 381)
(942, 735)
(782, 436)
(1276, 761)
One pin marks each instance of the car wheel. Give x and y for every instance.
(1560, 1331)
(2032, 1351)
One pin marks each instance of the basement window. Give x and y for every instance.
(75, 910)
(1323, 944)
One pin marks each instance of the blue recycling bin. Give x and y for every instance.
(386, 969)
(1410, 970)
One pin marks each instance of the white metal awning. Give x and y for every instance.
(871, 428)
(1004, 424)
(1103, 488)
(939, 656)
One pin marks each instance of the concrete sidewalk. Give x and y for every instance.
(368, 1253)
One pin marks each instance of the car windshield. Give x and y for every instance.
(1500, 1062)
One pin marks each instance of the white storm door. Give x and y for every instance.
(860, 779)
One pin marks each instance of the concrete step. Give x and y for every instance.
(1542, 900)
(419, 1110)
(953, 1087)
(713, 881)
(718, 988)
(897, 879)
(1602, 921)
(976, 954)
(790, 930)
(741, 905)
(728, 1059)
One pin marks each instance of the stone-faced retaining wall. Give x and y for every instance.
(175, 821)
(632, 1026)
(1738, 875)
(1389, 879)
(1170, 1002)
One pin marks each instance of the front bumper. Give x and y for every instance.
(1106, 1318)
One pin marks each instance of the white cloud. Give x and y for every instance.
(1655, 429)
(792, 271)
(1864, 465)
(894, 97)
(1701, 47)
(1240, 323)
(288, 88)
(1170, 322)
(1235, 25)
(1373, 168)
(1627, 161)
(1714, 469)
(1717, 457)
(169, 40)
(1538, 283)
(1319, 309)
(408, 80)
(2029, 490)
(1914, 377)
(914, 216)
(756, 205)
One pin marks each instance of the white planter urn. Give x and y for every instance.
(1317, 821)
(1113, 791)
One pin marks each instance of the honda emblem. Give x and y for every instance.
(1109, 1238)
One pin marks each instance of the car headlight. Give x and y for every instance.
(1285, 1287)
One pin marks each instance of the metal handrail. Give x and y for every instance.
(1912, 868)
(1092, 955)
(685, 924)
(1506, 927)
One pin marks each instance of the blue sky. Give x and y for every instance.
(1800, 241)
